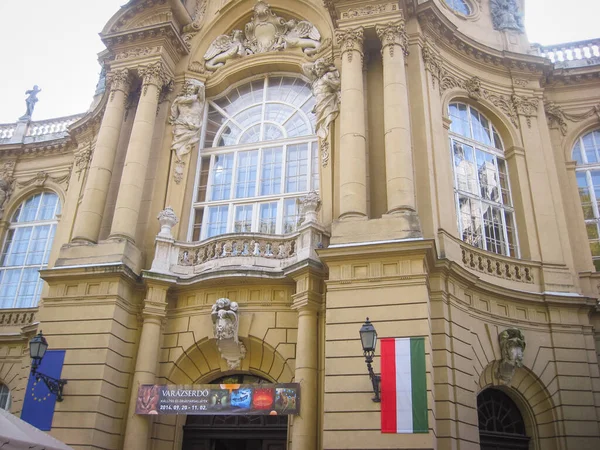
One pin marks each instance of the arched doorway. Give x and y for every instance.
(235, 432)
(501, 425)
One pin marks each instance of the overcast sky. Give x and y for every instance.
(53, 43)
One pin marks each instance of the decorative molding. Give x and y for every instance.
(557, 118)
(42, 177)
(118, 80)
(266, 32)
(196, 67)
(350, 41)
(7, 184)
(512, 347)
(521, 82)
(525, 107)
(391, 35)
(487, 263)
(226, 324)
(190, 30)
(82, 159)
(368, 10)
(153, 74)
(324, 146)
(137, 52)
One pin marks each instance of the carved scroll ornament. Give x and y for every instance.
(557, 118)
(266, 32)
(226, 324)
(512, 347)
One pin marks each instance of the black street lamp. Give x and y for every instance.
(368, 339)
(37, 349)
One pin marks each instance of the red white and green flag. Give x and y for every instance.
(403, 386)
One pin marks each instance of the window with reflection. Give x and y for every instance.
(481, 185)
(260, 156)
(4, 397)
(587, 155)
(27, 249)
(459, 6)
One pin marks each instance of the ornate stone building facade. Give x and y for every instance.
(253, 180)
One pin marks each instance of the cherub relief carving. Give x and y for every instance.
(224, 48)
(226, 323)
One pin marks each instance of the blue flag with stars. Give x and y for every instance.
(38, 406)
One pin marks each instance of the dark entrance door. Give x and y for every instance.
(235, 432)
(501, 425)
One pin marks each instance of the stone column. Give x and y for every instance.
(89, 215)
(137, 430)
(129, 197)
(307, 302)
(353, 145)
(398, 145)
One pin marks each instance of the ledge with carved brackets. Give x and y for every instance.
(437, 27)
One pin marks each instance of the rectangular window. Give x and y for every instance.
(217, 220)
(291, 215)
(222, 172)
(197, 228)
(247, 165)
(267, 220)
(243, 219)
(270, 177)
(296, 174)
(203, 181)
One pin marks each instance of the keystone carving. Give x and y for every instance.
(512, 347)
(266, 32)
(226, 323)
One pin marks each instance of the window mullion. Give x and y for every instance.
(592, 191)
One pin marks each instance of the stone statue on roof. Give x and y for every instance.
(30, 101)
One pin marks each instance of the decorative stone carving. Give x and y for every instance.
(310, 205)
(512, 347)
(350, 41)
(153, 74)
(392, 35)
(506, 15)
(41, 177)
(369, 10)
(325, 85)
(30, 102)
(525, 107)
(226, 324)
(473, 87)
(187, 112)
(266, 32)
(136, 52)
(7, 185)
(118, 80)
(557, 118)
(82, 159)
(167, 220)
(190, 30)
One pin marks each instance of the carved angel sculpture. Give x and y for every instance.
(303, 34)
(224, 48)
(187, 112)
(325, 83)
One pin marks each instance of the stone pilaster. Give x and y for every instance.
(308, 302)
(89, 216)
(129, 197)
(353, 155)
(138, 427)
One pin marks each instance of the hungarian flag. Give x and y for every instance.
(403, 386)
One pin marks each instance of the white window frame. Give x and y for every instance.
(498, 155)
(211, 152)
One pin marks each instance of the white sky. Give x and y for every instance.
(38, 39)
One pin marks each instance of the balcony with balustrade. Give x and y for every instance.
(570, 55)
(24, 132)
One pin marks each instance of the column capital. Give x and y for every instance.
(154, 74)
(391, 35)
(350, 41)
(118, 80)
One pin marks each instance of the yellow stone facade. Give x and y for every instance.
(129, 309)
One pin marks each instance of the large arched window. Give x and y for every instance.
(4, 397)
(501, 424)
(27, 249)
(259, 157)
(587, 154)
(482, 190)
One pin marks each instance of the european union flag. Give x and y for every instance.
(38, 406)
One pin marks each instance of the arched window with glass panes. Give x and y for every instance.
(4, 397)
(586, 153)
(26, 250)
(486, 217)
(259, 156)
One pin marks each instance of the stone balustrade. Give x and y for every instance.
(572, 54)
(254, 251)
(498, 266)
(52, 126)
(7, 130)
(17, 317)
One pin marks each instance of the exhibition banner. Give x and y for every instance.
(198, 399)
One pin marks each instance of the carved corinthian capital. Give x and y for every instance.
(350, 41)
(153, 74)
(118, 80)
(392, 35)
